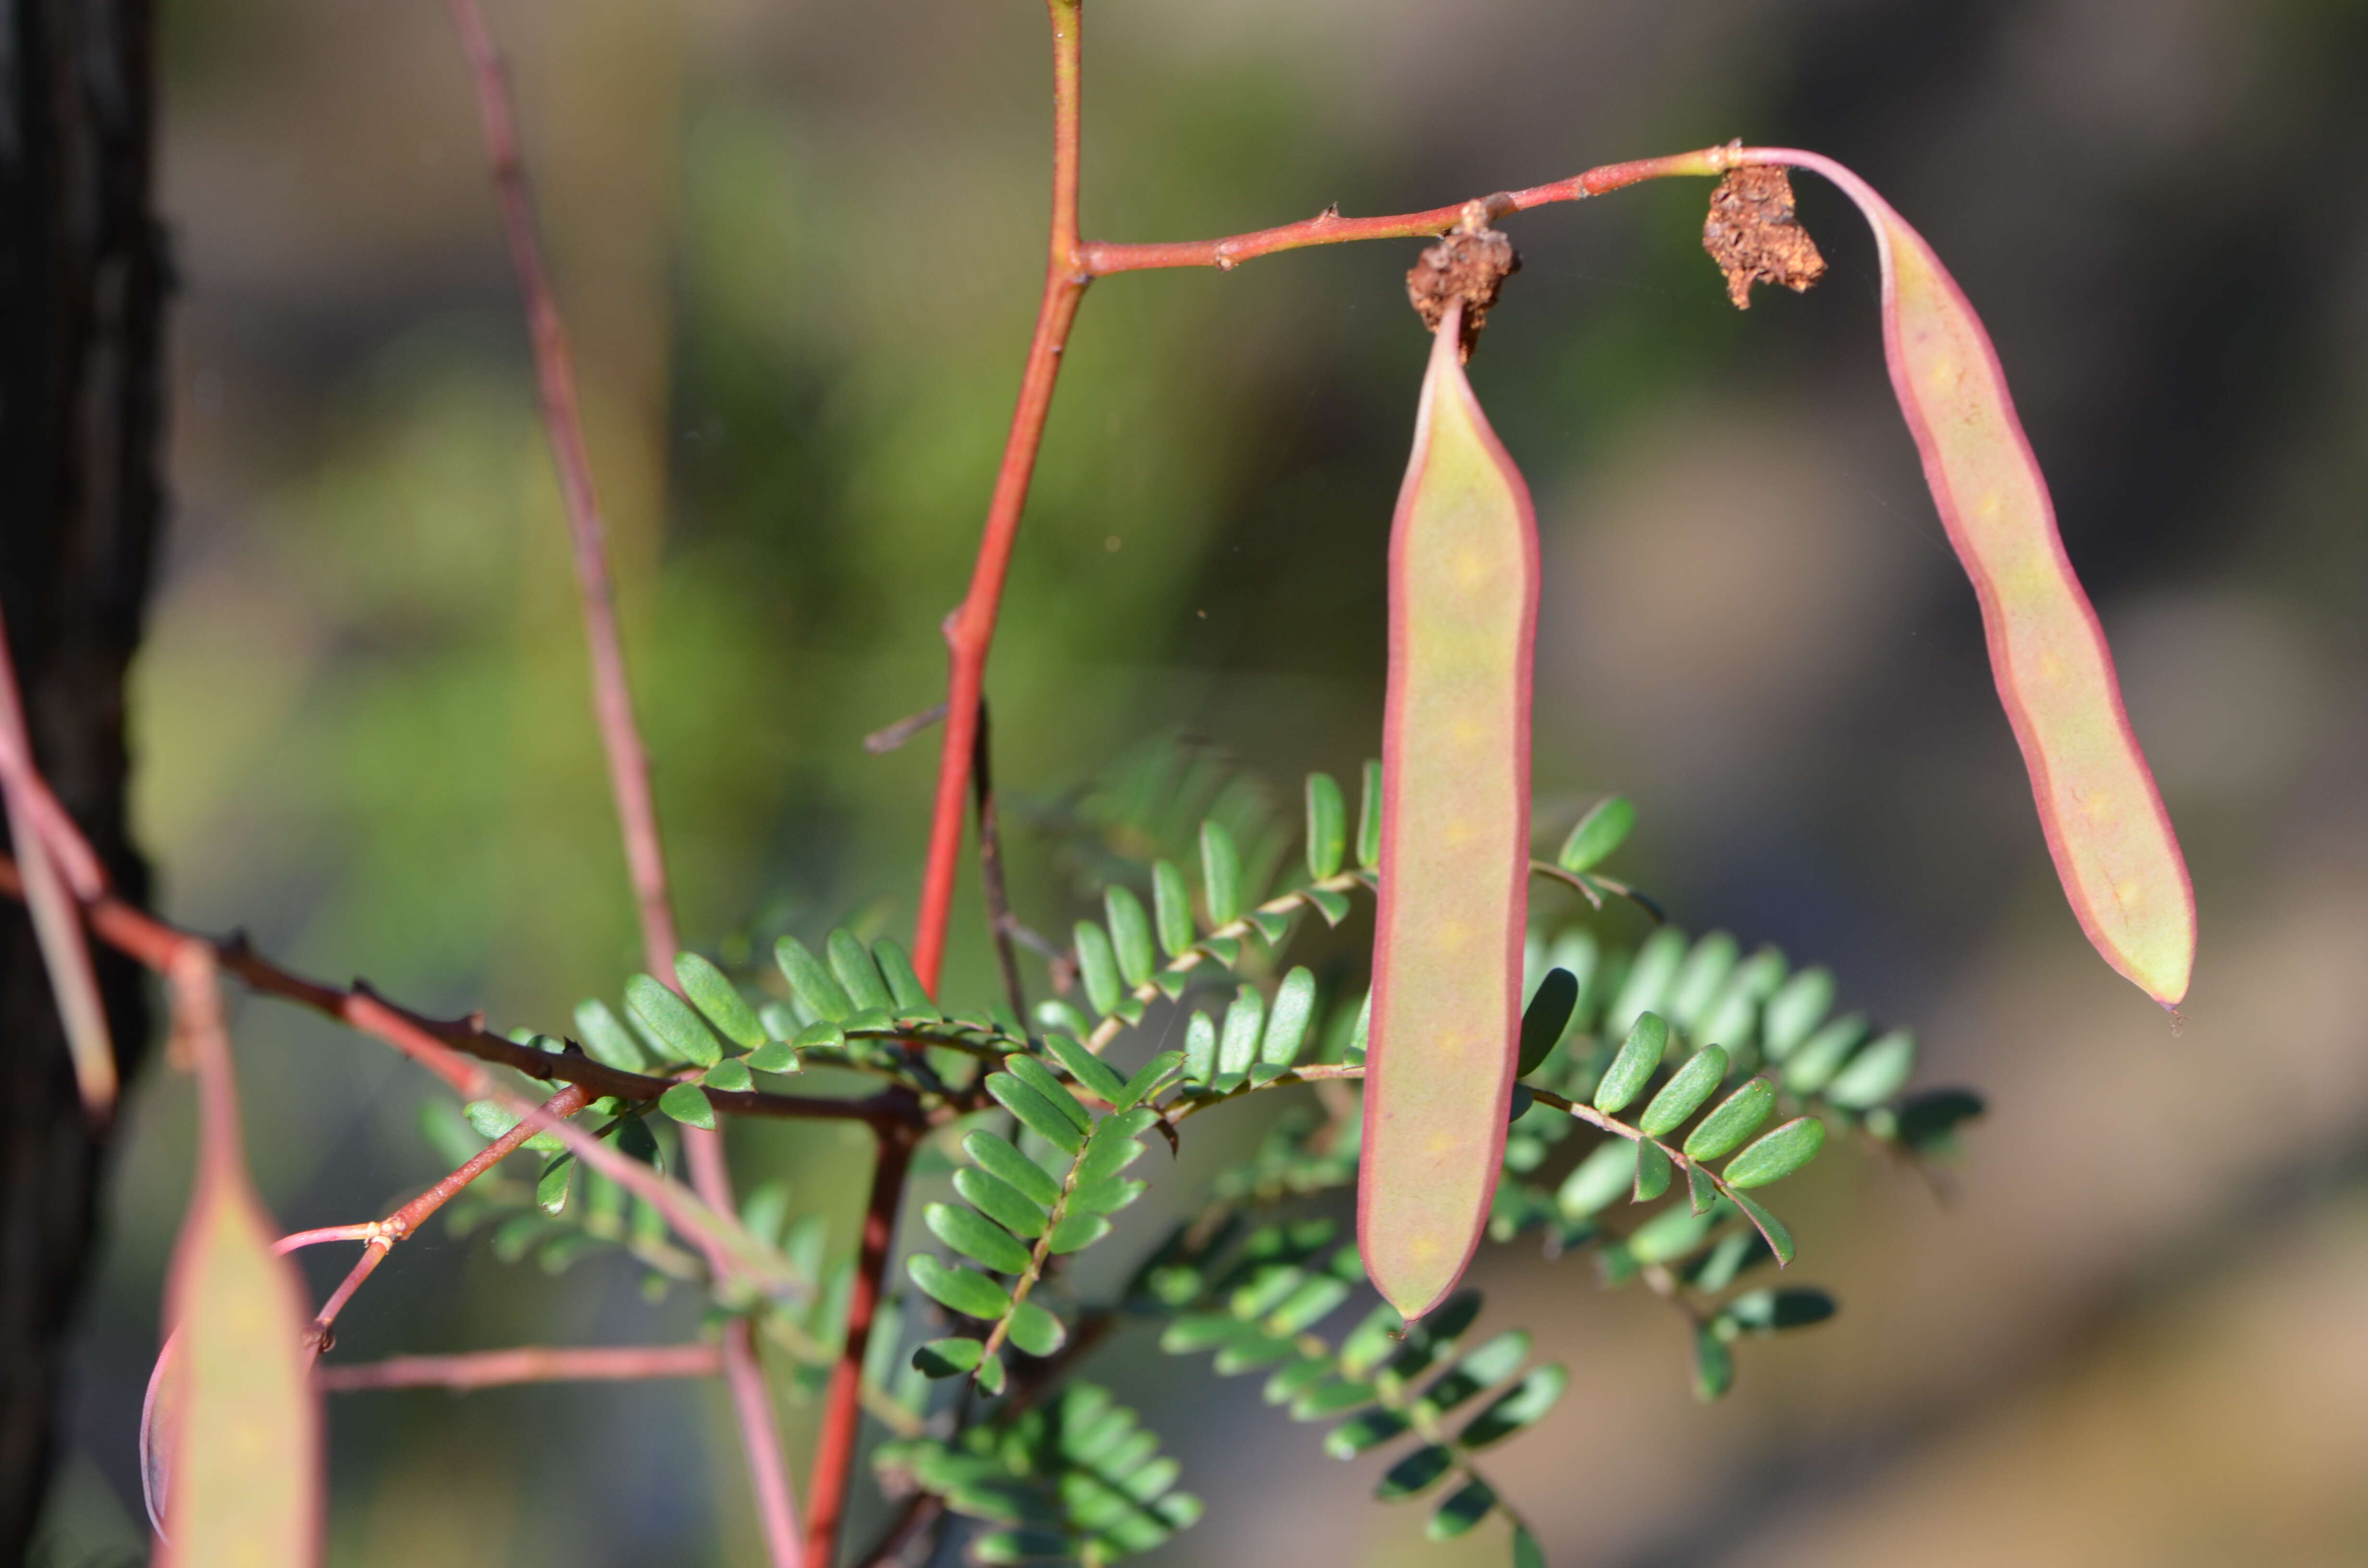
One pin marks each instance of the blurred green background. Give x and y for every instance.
(799, 246)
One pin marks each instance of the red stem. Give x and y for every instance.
(525, 1364)
(744, 1374)
(152, 942)
(769, 1470)
(969, 631)
(1328, 228)
(612, 705)
(1072, 264)
(379, 1236)
(834, 1464)
(31, 793)
(59, 865)
(613, 695)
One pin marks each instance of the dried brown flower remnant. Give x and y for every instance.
(1753, 237)
(1470, 262)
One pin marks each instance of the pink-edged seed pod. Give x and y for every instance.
(2111, 840)
(1454, 852)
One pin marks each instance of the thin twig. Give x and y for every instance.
(833, 1464)
(612, 706)
(50, 822)
(1000, 923)
(769, 1471)
(613, 695)
(58, 864)
(151, 942)
(378, 1236)
(730, 1249)
(970, 629)
(921, 1510)
(888, 737)
(1328, 228)
(744, 1375)
(525, 1364)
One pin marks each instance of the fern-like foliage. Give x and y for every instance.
(1665, 1084)
(1017, 1215)
(1258, 1298)
(1078, 1479)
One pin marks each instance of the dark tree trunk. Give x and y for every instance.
(82, 280)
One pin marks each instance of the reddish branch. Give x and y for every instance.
(613, 695)
(525, 1364)
(971, 629)
(31, 793)
(152, 942)
(377, 1238)
(1328, 228)
(612, 704)
(728, 1247)
(834, 1464)
(59, 866)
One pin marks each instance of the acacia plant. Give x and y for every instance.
(1527, 1073)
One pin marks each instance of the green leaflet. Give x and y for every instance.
(1602, 829)
(1327, 826)
(671, 1019)
(1595, 1181)
(1652, 1170)
(1684, 1093)
(1036, 1112)
(812, 983)
(1098, 966)
(1036, 1331)
(1795, 1010)
(965, 1292)
(1286, 1027)
(1369, 817)
(976, 1238)
(1876, 1072)
(1522, 1405)
(1632, 1067)
(903, 982)
(997, 1156)
(1001, 1202)
(1725, 1128)
(1544, 1019)
(719, 999)
(1221, 873)
(1130, 929)
(1172, 907)
(607, 1040)
(1778, 1155)
(688, 1104)
(1092, 1074)
(857, 973)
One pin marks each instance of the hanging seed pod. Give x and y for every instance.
(2112, 841)
(1454, 851)
(231, 1435)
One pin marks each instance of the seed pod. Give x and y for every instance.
(1455, 837)
(231, 1436)
(2098, 805)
